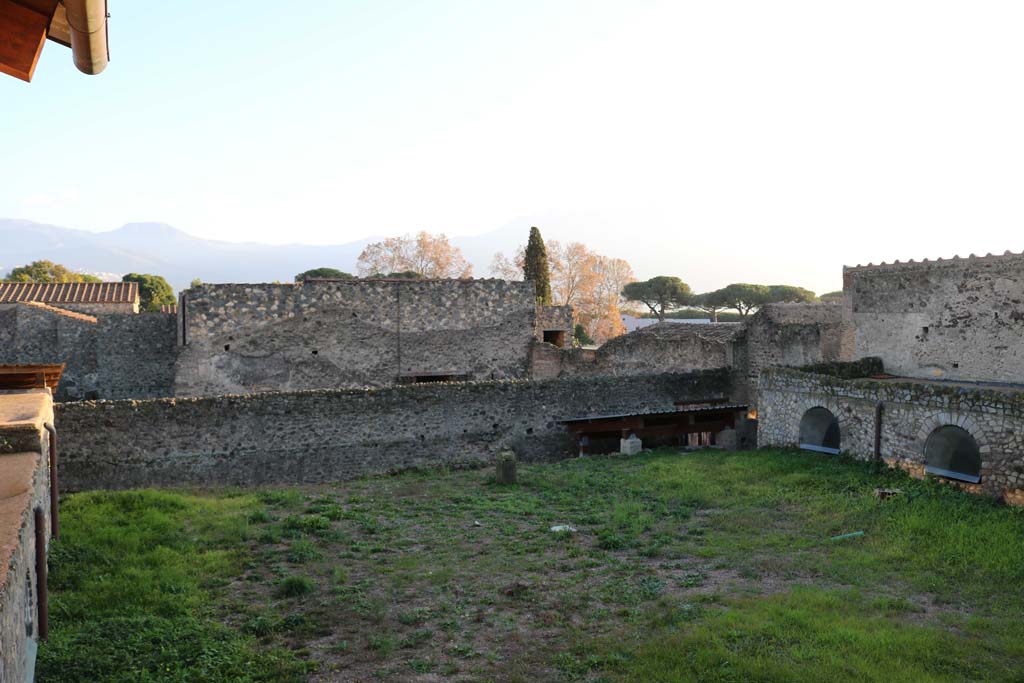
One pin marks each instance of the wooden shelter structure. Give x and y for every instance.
(707, 418)
(20, 377)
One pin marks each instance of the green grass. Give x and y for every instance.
(705, 566)
(132, 574)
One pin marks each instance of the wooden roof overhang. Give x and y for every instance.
(24, 26)
(710, 418)
(14, 377)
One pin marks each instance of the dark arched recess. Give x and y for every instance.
(952, 452)
(819, 431)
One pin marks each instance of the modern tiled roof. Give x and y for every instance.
(69, 292)
(172, 309)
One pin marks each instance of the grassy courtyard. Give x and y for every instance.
(704, 566)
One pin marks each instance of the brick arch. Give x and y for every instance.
(810, 402)
(955, 419)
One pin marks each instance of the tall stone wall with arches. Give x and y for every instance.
(912, 411)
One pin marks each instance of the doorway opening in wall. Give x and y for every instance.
(953, 453)
(427, 378)
(556, 337)
(819, 431)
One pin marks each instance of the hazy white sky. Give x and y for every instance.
(716, 141)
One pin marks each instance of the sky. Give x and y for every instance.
(721, 141)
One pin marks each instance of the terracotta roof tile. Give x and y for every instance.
(69, 292)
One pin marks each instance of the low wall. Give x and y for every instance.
(327, 435)
(24, 487)
(912, 410)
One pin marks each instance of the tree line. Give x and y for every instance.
(154, 290)
(598, 287)
(664, 293)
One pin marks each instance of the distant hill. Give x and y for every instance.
(164, 250)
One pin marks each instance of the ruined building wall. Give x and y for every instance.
(24, 487)
(355, 333)
(135, 355)
(911, 411)
(789, 335)
(328, 435)
(113, 356)
(960, 318)
(667, 347)
(34, 334)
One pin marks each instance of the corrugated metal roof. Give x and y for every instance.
(69, 292)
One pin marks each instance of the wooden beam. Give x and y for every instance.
(22, 34)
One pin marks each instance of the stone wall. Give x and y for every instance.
(911, 412)
(351, 333)
(24, 487)
(667, 347)
(40, 334)
(960, 318)
(113, 356)
(555, 319)
(135, 355)
(328, 435)
(789, 335)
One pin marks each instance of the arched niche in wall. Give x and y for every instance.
(952, 452)
(819, 431)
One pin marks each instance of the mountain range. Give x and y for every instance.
(161, 249)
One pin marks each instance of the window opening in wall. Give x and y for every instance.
(953, 453)
(227, 347)
(556, 337)
(819, 431)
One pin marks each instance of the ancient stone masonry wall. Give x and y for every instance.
(555, 318)
(136, 355)
(959, 318)
(790, 334)
(911, 412)
(34, 334)
(668, 347)
(110, 356)
(24, 487)
(322, 436)
(358, 333)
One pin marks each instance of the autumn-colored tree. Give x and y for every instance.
(431, 256)
(587, 281)
(535, 267)
(507, 268)
(47, 271)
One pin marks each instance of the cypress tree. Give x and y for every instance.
(535, 267)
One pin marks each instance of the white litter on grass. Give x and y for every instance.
(563, 529)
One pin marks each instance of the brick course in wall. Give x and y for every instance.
(911, 411)
(328, 435)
